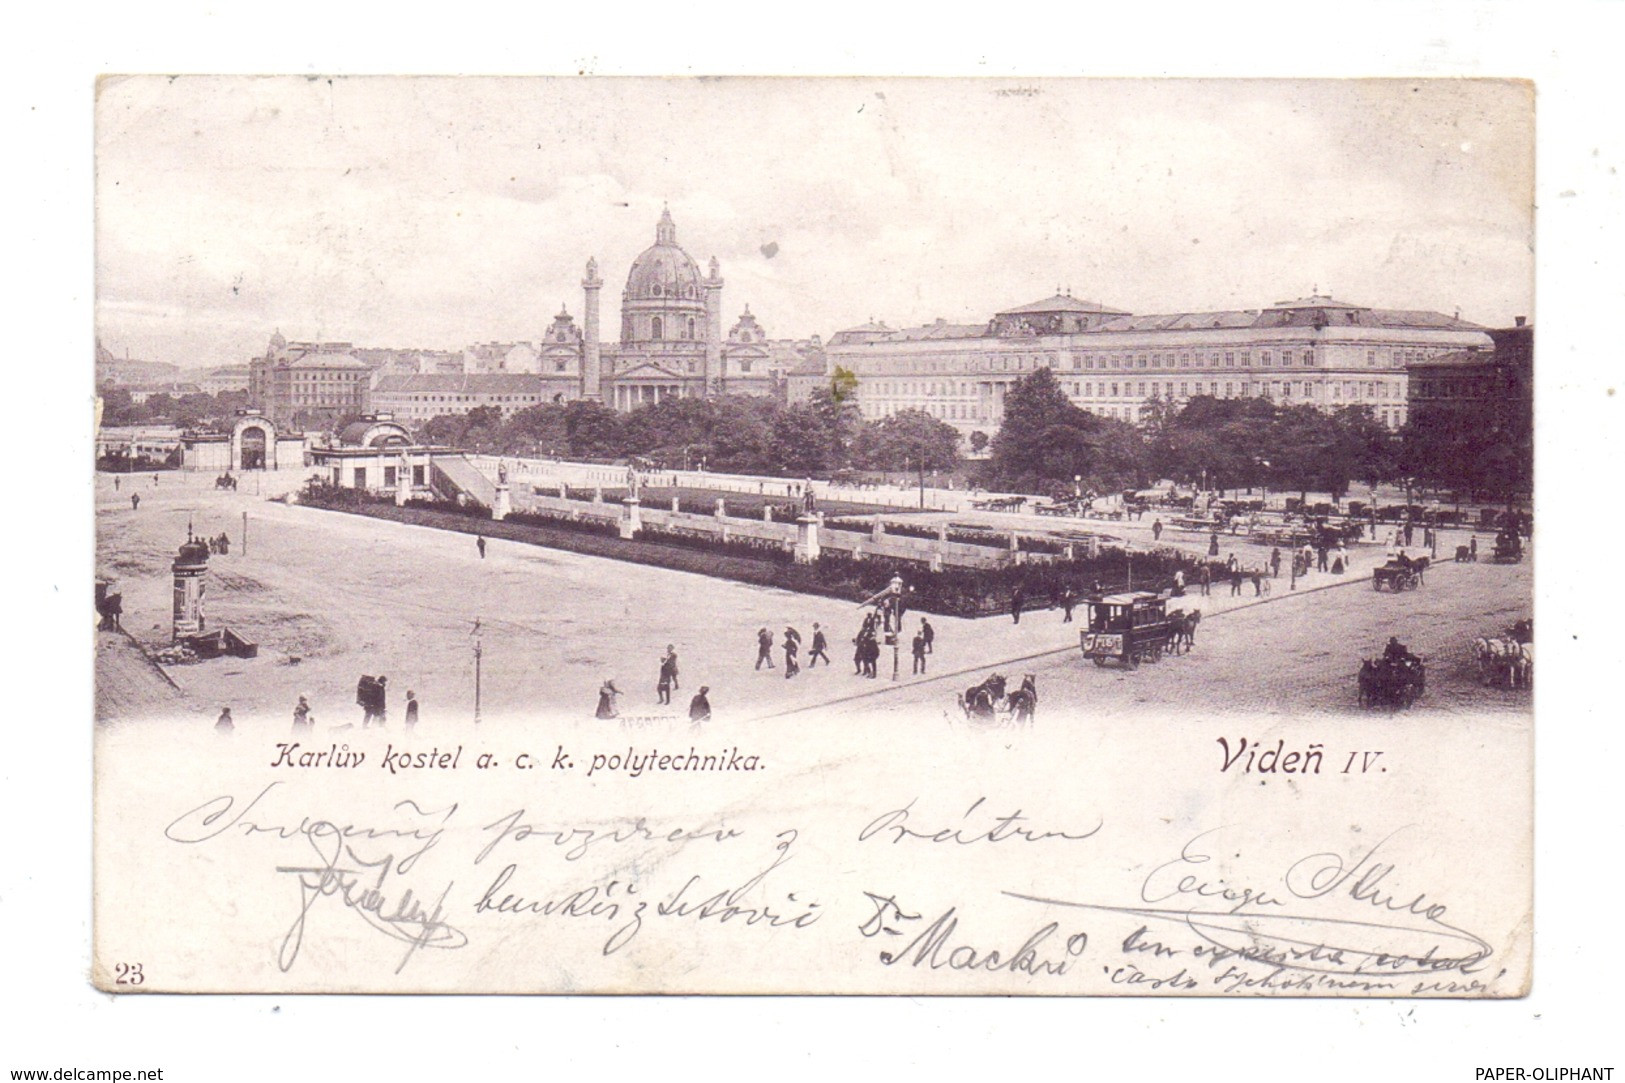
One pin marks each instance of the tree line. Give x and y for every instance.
(1048, 443)
(733, 433)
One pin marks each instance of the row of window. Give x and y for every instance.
(954, 411)
(1349, 389)
(1301, 357)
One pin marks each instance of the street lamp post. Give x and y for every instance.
(479, 652)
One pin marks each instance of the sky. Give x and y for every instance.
(437, 212)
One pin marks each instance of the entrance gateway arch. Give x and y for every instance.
(253, 444)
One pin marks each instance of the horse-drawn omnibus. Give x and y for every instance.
(1130, 628)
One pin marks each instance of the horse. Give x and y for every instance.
(1024, 701)
(981, 700)
(1391, 682)
(1368, 682)
(1185, 631)
(1501, 660)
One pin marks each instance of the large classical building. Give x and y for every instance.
(309, 383)
(1315, 350)
(674, 343)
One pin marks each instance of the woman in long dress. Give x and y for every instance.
(606, 700)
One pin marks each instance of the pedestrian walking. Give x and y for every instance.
(411, 709)
(930, 635)
(1472, 548)
(1321, 562)
(606, 700)
(820, 647)
(792, 648)
(699, 708)
(479, 543)
(135, 501)
(668, 667)
(224, 725)
(663, 686)
(1340, 560)
(1156, 530)
(1069, 601)
(919, 653)
(1016, 598)
(1235, 581)
(764, 648)
(1410, 533)
(1179, 585)
(1258, 583)
(1213, 544)
(1207, 579)
(115, 482)
(1275, 562)
(301, 717)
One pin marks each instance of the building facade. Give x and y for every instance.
(309, 383)
(1502, 374)
(1316, 350)
(418, 398)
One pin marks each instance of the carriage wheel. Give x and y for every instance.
(1134, 659)
(1101, 662)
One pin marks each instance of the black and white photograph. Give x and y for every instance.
(672, 542)
(994, 536)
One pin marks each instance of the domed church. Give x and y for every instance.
(672, 341)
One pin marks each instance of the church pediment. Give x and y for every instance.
(648, 370)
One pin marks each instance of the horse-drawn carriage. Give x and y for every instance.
(999, 503)
(1508, 547)
(1400, 573)
(1508, 659)
(984, 702)
(226, 481)
(1393, 680)
(1130, 628)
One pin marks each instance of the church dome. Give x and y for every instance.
(664, 271)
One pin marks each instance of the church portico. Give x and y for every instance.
(629, 396)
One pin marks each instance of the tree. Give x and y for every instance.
(537, 429)
(908, 439)
(802, 442)
(1046, 439)
(591, 430)
(743, 437)
(978, 441)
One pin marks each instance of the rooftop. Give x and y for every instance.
(1062, 302)
(479, 383)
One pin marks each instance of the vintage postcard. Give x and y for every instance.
(932, 536)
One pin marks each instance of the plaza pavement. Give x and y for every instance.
(329, 597)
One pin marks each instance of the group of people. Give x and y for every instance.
(791, 646)
(304, 722)
(371, 694)
(699, 707)
(219, 545)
